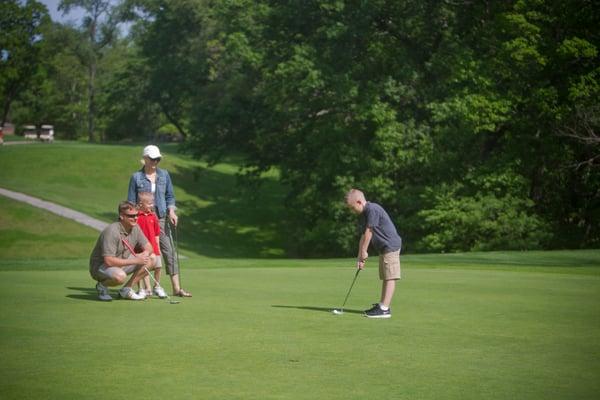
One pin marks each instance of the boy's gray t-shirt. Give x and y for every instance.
(385, 237)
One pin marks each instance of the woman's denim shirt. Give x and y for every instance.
(163, 197)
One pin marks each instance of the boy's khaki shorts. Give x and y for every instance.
(389, 266)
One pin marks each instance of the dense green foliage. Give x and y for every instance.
(20, 48)
(473, 123)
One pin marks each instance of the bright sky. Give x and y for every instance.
(74, 16)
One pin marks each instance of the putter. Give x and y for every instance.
(126, 243)
(341, 310)
(174, 244)
(168, 298)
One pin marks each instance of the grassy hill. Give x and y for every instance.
(218, 218)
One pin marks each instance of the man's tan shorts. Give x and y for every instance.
(389, 266)
(105, 272)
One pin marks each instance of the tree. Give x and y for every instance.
(584, 129)
(125, 102)
(20, 37)
(466, 120)
(172, 38)
(56, 93)
(100, 26)
(404, 99)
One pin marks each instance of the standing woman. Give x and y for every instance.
(152, 179)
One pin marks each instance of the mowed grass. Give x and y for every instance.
(253, 332)
(28, 233)
(499, 325)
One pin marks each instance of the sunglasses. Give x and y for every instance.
(131, 215)
(157, 159)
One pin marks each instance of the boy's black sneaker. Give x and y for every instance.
(377, 312)
(374, 307)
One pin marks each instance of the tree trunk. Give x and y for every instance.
(91, 101)
(173, 120)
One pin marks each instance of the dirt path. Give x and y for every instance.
(56, 209)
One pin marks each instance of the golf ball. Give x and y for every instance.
(337, 312)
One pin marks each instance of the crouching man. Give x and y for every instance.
(113, 257)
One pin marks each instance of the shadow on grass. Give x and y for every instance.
(229, 219)
(86, 293)
(321, 309)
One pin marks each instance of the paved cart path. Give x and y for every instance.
(56, 209)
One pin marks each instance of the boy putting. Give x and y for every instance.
(377, 229)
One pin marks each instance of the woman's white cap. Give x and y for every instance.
(151, 152)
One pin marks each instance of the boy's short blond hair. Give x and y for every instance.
(354, 195)
(145, 196)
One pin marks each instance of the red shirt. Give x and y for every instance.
(148, 223)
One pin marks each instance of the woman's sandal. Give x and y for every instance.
(182, 293)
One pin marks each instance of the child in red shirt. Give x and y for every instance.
(148, 223)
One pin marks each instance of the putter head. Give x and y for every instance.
(174, 301)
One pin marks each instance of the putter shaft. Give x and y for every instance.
(126, 243)
(156, 284)
(349, 290)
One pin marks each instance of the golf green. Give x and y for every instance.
(268, 333)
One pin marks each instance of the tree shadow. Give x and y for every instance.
(321, 309)
(227, 219)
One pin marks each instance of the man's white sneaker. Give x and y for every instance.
(103, 293)
(129, 294)
(141, 293)
(160, 292)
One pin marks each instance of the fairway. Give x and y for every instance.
(492, 325)
(254, 332)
